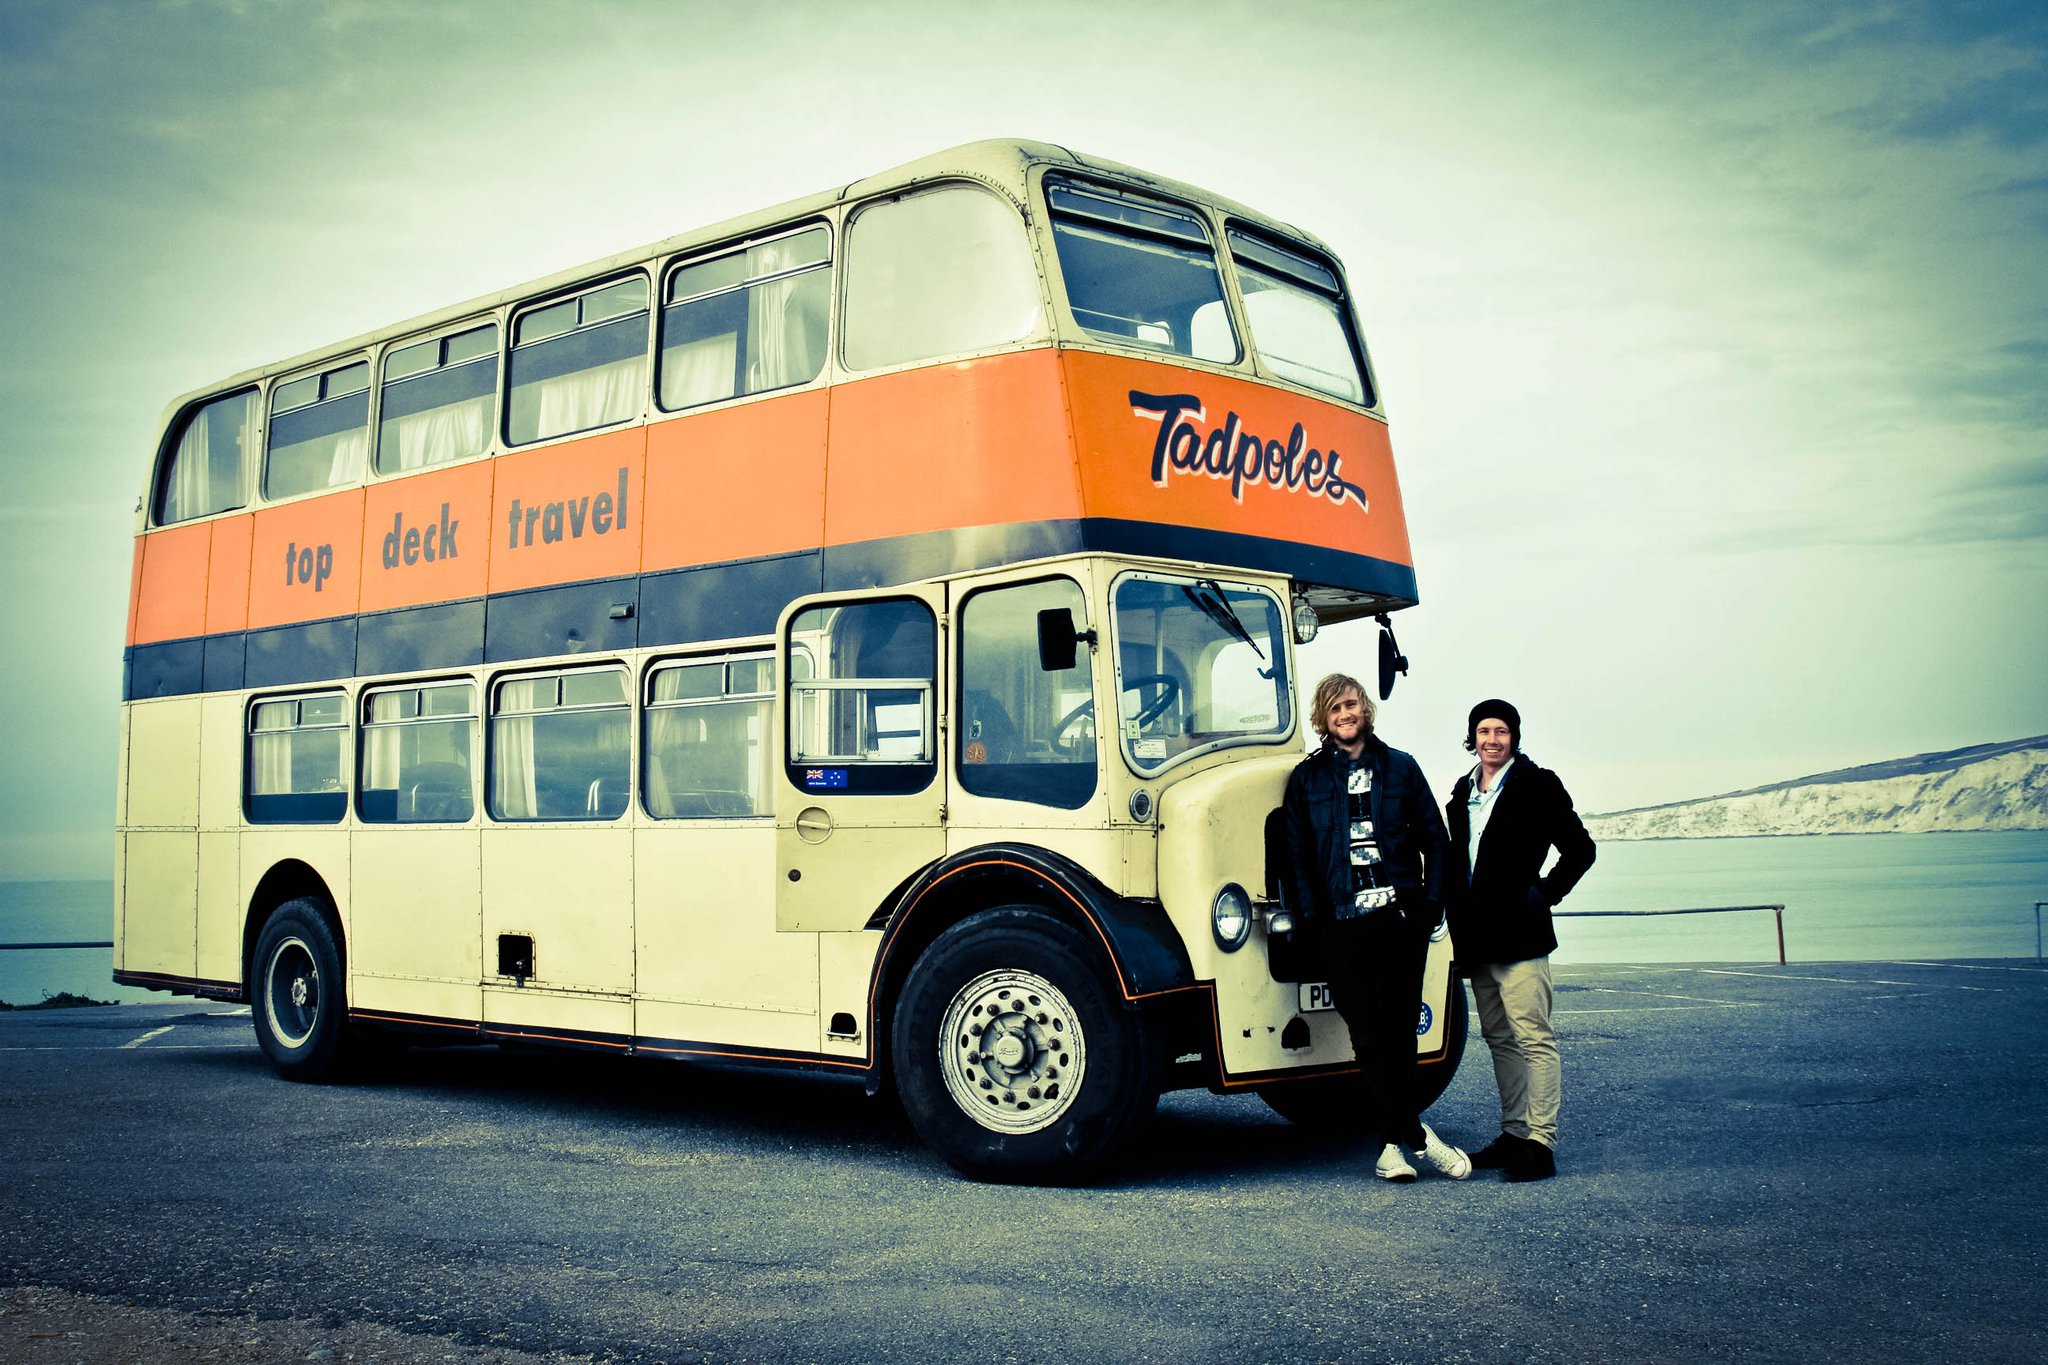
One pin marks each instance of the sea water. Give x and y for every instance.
(1848, 897)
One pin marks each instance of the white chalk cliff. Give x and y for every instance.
(1986, 787)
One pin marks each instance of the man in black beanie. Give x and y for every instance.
(1504, 817)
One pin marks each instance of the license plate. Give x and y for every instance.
(1315, 995)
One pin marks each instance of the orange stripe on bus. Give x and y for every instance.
(170, 605)
(227, 575)
(1033, 436)
(567, 513)
(306, 560)
(738, 483)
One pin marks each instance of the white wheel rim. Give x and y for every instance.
(1011, 1051)
(291, 986)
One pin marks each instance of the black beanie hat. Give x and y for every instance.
(1496, 709)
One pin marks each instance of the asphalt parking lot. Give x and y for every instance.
(1820, 1161)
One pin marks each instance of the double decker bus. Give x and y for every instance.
(855, 637)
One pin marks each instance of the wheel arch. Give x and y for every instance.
(1144, 954)
(285, 882)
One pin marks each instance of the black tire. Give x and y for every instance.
(297, 996)
(1050, 1094)
(1331, 1104)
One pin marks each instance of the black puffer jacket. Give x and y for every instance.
(1500, 909)
(1405, 821)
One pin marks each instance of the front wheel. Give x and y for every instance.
(297, 999)
(1015, 1058)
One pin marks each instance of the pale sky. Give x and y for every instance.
(1714, 338)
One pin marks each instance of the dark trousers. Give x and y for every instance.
(1374, 965)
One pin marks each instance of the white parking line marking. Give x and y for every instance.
(1661, 995)
(153, 1033)
(1656, 1009)
(1837, 980)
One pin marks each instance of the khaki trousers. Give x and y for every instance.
(1514, 1015)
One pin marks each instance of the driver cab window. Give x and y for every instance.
(1026, 733)
(861, 713)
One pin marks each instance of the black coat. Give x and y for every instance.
(1406, 825)
(1500, 910)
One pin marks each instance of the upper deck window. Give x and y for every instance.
(1140, 272)
(319, 431)
(747, 321)
(941, 272)
(1299, 321)
(204, 474)
(436, 404)
(578, 363)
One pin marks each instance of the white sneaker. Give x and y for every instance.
(1450, 1160)
(1393, 1166)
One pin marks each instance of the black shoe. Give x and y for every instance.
(1534, 1162)
(1499, 1152)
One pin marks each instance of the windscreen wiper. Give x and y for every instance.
(1208, 595)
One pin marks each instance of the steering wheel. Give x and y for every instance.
(1169, 692)
(1073, 747)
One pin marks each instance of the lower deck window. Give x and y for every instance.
(293, 773)
(706, 737)
(561, 746)
(417, 743)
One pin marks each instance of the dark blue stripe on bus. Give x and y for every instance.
(447, 635)
(600, 616)
(724, 601)
(689, 606)
(312, 652)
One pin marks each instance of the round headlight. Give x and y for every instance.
(1305, 621)
(1231, 917)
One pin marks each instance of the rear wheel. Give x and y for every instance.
(1014, 1056)
(1334, 1103)
(297, 999)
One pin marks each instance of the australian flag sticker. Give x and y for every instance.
(825, 779)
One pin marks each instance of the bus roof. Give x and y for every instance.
(1002, 164)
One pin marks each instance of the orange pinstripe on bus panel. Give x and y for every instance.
(1008, 440)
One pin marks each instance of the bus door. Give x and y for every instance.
(860, 804)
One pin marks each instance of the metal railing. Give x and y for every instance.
(1777, 910)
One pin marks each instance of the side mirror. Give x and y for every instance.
(1392, 660)
(1056, 639)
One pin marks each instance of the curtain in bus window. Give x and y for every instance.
(695, 372)
(191, 489)
(206, 469)
(347, 465)
(590, 398)
(515, 794)
(439, 435)
(786, 319)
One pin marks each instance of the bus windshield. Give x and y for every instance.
(1200, 665)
